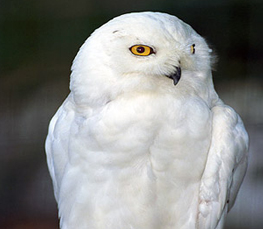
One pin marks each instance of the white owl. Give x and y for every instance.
(143, 141)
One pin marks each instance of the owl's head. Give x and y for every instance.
(140, 47)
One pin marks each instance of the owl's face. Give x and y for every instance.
(153, 44)
(145, 45)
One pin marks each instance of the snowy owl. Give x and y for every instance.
(143, 141)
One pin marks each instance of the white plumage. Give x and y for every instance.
(143, 141)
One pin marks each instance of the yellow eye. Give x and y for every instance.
(141, 50)
(193, 49)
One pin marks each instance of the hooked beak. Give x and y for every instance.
(176, 75)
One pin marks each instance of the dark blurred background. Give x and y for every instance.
(38, 41)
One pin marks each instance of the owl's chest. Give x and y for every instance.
(167, 128)
(145, 155)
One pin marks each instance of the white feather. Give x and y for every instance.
(225, 168)
(128, 148)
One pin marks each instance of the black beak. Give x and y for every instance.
(176, 75)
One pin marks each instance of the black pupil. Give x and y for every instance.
(140, 49)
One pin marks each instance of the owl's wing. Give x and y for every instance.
(57, 143)
(225, 168)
